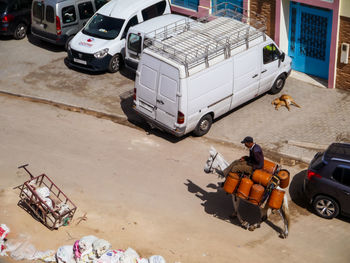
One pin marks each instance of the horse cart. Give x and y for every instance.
(41, 198)
(253, 196)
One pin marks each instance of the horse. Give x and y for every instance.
(217, 164)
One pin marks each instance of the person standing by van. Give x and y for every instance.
(247, 164)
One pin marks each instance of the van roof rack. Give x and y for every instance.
(193, 43)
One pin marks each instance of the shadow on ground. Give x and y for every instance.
(216, 203)
(45, 45)
(126, 103)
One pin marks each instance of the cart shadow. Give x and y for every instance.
(216, 203)
(27, 208)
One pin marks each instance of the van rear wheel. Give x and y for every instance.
(203, 125)
(114, 63)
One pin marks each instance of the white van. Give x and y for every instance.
(99, 46)
(184, 82)
(137, 35)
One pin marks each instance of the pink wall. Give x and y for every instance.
(332, 55)
(203, 9)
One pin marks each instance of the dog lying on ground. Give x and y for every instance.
(284, 100)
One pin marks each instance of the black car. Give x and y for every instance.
(327, 184)
(15, 17)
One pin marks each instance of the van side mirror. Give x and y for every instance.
(282, 56)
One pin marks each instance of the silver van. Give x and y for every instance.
(57, 21)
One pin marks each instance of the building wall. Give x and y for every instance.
(345, 8)
(266, 8)
(343, 70)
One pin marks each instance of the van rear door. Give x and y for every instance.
(157, 85)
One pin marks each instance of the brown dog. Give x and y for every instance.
(284, 100)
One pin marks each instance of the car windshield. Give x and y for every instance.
(3, 6)
(104, 27)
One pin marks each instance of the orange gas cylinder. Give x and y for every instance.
(231, 183)
(276, 199)
(283, 175)
(269, 166)
(256, 194)
(261, 177)
(244, 188)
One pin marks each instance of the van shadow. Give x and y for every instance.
(126, 103)
(45, 45)
(218, 203)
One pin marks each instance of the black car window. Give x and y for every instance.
(270, 53)
(133, 21)
(154, 10)
(85, 10)
(342, 175)
(38, 10)
(99, 3)
(50, 14)
(68, 14)
(25, 4)
(3, 7)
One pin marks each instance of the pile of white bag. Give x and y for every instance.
(88, 249)
(91, 249)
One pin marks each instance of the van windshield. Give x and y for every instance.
(104, 27)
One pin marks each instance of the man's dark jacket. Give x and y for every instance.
(256, 157)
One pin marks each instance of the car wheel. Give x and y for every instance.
(114, 63)
(20, 31)
(69, 39)
(278, 85)
(325, 207)
(203, 125)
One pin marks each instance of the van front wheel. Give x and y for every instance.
(114, 63)
(20, 31)
(203, 125)
(278, 85)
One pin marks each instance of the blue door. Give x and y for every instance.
(310, 31)
(238, 3)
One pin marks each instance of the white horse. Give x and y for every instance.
(217, 164)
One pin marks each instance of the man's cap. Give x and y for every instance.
(247, 139)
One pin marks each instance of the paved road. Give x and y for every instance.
(145, 192)
(36, 69)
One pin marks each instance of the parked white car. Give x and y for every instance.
(184, 82)
(99, 46)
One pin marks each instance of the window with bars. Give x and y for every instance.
(191, 4)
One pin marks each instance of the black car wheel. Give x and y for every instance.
(20, 31)
(278, 85)
(203, 125)
(325, 207)
(114, 63)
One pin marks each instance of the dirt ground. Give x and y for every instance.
(145, 191)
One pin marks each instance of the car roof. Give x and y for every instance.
(338, 151)
(158, 22)
(124, 8)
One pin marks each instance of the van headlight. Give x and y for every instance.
(102, 53)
